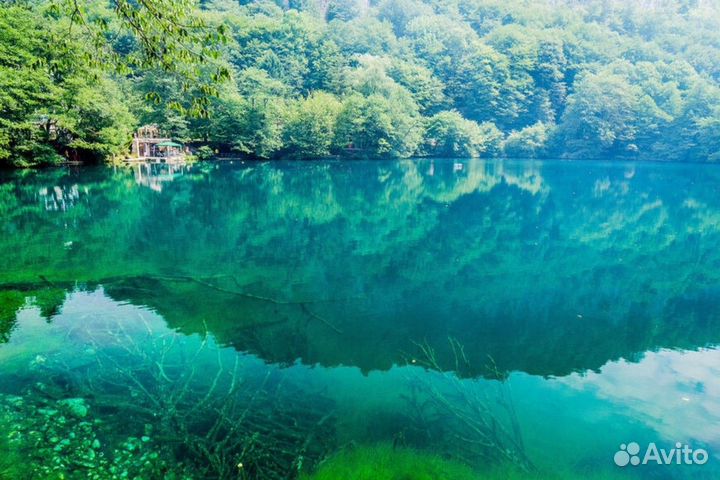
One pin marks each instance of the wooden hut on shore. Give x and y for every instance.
(150, 144)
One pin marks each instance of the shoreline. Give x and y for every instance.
(338, 158)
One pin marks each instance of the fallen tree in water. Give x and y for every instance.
(215, 415)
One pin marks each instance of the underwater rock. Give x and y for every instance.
(47, 412)
(74, 406)
(51, 446)
(14, 400)
(132, 444)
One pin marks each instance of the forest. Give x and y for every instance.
(575, 79)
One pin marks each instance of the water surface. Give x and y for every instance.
(255, 320)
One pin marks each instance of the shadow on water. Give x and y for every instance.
(405, 279)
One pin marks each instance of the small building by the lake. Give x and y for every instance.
(150, 143)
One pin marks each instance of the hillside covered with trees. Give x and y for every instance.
(310, 78)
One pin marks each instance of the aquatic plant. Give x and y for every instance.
(12, 465)
(385, 462)
(479, 427)
(510, 472)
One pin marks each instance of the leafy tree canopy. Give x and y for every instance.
(308, 78)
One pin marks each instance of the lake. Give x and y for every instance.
(459, 319)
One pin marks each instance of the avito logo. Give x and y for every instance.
(680, 455)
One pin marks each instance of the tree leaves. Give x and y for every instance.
(570, 78)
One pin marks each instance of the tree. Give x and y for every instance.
(364, 35)
(425, 87)
(93, 123)
(26, 86)
(590, 78)
(401, 12)
(51, 103)
(377, 126)
(530, 142)
(345, 10)
(448, 134)
(310, 125)
(260, 112)
(288, 46)
(475, 75)
(601, 118)
(169, 35)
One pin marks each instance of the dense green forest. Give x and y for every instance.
(399, 78)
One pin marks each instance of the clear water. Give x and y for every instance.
(509, 319)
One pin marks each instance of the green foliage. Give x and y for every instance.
(426, 89)
(204, 153)
(26, 86)
(448, 134)
(476, 76)
(169, 35)
(364, 35)
(95, 121)
(163, 103)
(571, 79)
(603, 117)
(527, 143)
(13, 463)
(286, 46)
(597, 78)
(383, 462)
(376, 125)
(52, 102)
(310, 125)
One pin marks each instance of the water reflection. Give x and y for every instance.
(60, 198)
(154, 175)
(674, 393)
(544, 268)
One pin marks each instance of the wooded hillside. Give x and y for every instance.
(310, 78)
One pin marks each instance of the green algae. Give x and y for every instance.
(383, 462)
(508, 472)
(13, 465)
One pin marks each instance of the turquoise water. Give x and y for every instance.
(506, 319)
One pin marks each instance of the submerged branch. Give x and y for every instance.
(479, 427)
(225, 420)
